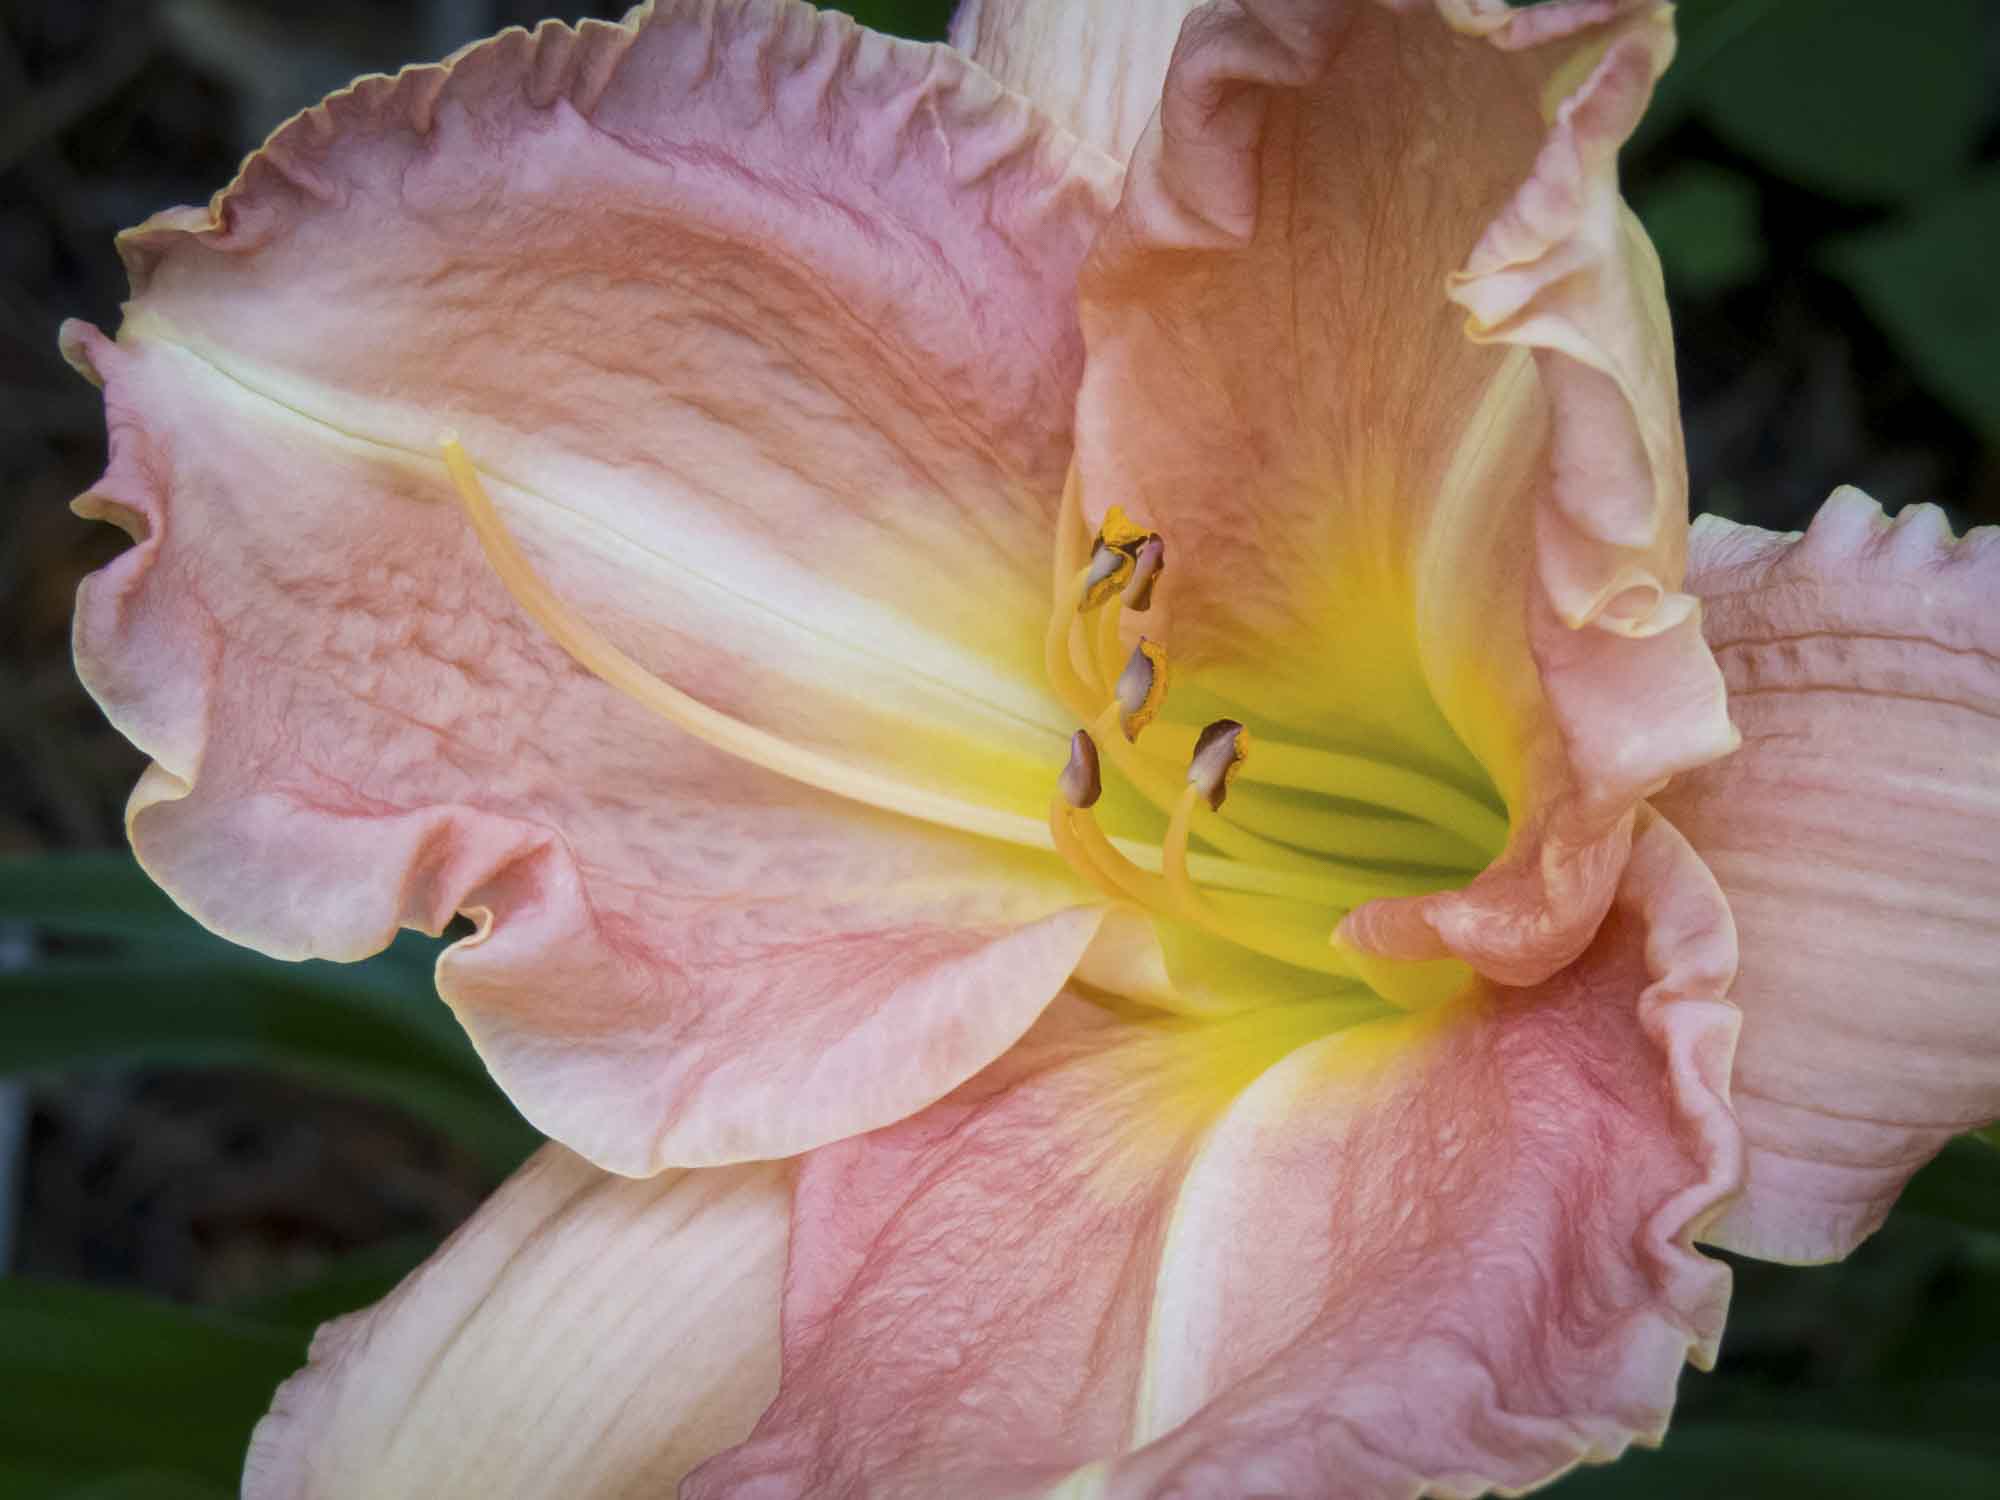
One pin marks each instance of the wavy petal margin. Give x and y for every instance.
(764, 328)
(1095, 65)
(1857, 835)
(582, 1335)
(1271, 1257)
(1373, 338)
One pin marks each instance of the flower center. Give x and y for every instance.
(1311, 834)
(1328, 830)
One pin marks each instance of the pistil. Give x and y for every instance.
(595, 653)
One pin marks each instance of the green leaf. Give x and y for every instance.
(1705, 29)
(1961, 1186)
(1855, 98)
(90, 895)
(314, 1022)
(178, 995)
(1928, 280)
(925, 20)
(1783, 1461)
(145, 1484)
(1703, 219)
(102, 1384)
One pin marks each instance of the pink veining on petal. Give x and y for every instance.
(1495, 1278)
(966, 1311)
(1857, 834)
(737, 418)
(1453, 1251)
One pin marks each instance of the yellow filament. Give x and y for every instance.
(1083, 654)
(1228, 873)
(1084, 845)
(1353, 836)
(1161, 789)
(593, 652)
(1109, 655)
(1184, 900)
(1357, 778)
(1062, 830)
(1077, 693)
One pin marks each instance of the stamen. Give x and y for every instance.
(1063, 820)
(1141, 687)
(1115, 556)
(1080, 782)
(1360, 778)
(1302, 949)
(1146, 569)
(1219, 753)
(592, 651)
(1093, 856)
(1105, 653)
(1363, 837)
(1084, 845)
(1069, 683)
(1106, 575)
(1158, 787)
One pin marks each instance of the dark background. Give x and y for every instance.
(202, 1154)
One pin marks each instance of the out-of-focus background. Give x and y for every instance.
(202, 1154)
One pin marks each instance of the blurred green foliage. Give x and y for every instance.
(1881, 109)
(167, 992)
(109, 1394)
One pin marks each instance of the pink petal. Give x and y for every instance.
(1451, 1250)
(1857, 834)
(582, 1335)
(1095, 65)
(1375, 343)
(764, 327)
(1496, 1278)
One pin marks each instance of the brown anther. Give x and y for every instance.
(1219, 753)
(1109, 568)
(1147, 565)
(1080, 783)
(1141, 687)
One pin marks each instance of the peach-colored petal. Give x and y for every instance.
(583, 1335)
(1375, 343)
(1452, 1249)
(1095, 65)
(763, 328)
(682, 958)
(966, 1314)
(1493, 1277)
(1857, 834)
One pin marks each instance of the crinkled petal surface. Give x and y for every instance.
(1375, 343)
(1096, 65)
(582, 1335)
(1231, 1258)
(1857, 834)
(763, 330)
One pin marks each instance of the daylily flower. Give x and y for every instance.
(1044, 694)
